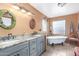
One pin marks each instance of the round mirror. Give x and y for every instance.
(7, 20)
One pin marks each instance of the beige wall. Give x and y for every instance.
(22, 20)
(68, 18)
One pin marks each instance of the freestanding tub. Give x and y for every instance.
(56, 39)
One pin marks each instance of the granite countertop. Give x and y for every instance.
(17, 40)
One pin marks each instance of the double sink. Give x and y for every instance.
(17, 40)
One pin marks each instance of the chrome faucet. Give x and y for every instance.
(10, 36)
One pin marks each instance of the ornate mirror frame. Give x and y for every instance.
(7, 14)
(32, 23)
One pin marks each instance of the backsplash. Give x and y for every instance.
(12, 37)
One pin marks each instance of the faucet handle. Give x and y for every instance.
(10, 34)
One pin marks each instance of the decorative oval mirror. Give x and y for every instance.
(7, 20)
(32, 23)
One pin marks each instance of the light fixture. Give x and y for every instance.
(29, 13)
(16, 7)
(23, 11)
(61, 4)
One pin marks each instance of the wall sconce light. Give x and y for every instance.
(61, 4)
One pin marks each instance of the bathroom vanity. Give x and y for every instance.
(23, 46)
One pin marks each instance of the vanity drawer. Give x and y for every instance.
(11, 49)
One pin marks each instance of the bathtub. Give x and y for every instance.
(56, 39)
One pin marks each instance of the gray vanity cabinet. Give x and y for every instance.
(13, 50)
(32, 47)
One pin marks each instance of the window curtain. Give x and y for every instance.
(44, 25)
(71, 26)
(78, 23)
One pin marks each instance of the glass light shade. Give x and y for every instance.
(16, 7)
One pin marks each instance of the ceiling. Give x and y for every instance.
(52, 10)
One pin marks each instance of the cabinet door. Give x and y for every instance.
(32, 47)
(22, 52)
(38, 46)
(43, 47)
(42, 44)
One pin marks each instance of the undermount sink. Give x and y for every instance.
(11, 42)
(8, 43)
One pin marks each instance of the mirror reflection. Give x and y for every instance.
(6, 21)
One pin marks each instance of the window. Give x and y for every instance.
(44, 25)
(59, 27)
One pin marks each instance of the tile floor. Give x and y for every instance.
(59, 50)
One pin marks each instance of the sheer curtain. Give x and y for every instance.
(44, 25)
